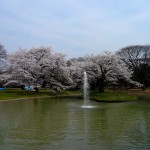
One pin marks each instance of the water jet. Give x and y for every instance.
(85, 91)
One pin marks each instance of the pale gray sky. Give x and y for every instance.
(74, 27)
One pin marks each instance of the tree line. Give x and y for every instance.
(41, 66)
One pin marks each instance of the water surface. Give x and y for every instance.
(62, 124)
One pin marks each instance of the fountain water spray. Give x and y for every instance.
(85, 90)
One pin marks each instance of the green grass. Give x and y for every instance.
(18, 93)
(108, 96)
(111, 96)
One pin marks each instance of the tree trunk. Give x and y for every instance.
(43, 84)
(93, 86)
(101, 85)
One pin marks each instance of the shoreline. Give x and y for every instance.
(114, 101)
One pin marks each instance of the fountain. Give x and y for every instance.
(85, 91)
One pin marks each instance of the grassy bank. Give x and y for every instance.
(108, 96)
(9, 94)
(119, 95)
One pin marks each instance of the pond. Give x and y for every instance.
(61, 124)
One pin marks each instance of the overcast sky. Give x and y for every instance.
(74, 27)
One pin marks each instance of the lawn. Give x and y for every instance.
(17, 93)
(117, 96)
(108, 96)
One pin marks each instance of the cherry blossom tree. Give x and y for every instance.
(56, 72)
(106, 67)
(19, 72)
(38, 66)
(76, 69)
(4, 64)
(100, 68)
